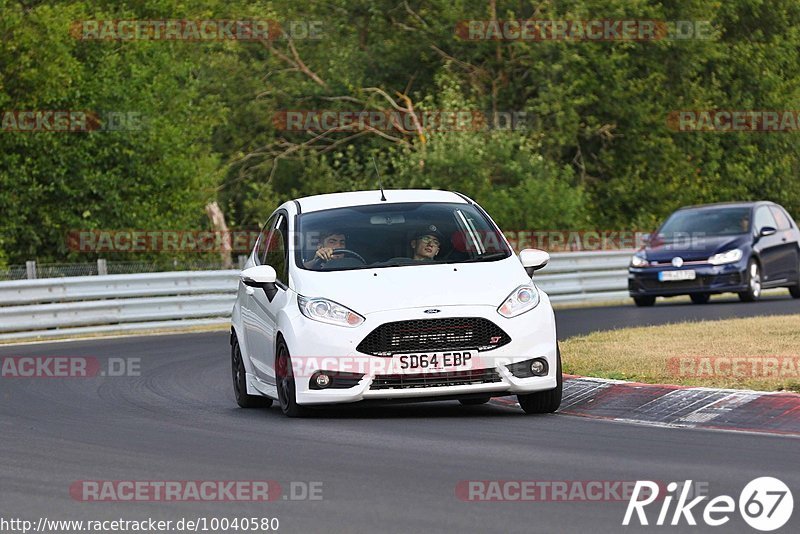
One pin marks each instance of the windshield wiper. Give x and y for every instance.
(485, 257)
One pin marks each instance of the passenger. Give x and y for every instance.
(426, 244)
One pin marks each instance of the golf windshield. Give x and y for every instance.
(396, 235)
(710, 222)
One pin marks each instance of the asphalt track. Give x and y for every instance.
(578, 321)
(382, 469)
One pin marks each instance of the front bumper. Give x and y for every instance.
(316, 346)
(710, 279)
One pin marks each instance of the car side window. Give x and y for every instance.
(276, 250)
(780, 218)
(764, 218)
(263, 239)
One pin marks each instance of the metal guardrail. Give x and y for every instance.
(116, 286)
(84, 305)
(576, 277)
(81, 305)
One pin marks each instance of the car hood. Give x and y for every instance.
(693, 248)
(371, 290)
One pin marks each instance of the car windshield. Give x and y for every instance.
(396, 235)
(711, 222)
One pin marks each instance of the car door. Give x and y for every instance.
(254, 322)
(263, 336)
(788, 255)
(768, 247)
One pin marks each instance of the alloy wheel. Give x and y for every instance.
(755, 280)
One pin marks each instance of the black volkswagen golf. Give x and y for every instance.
(699, 251)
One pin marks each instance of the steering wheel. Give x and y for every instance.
(348, 252)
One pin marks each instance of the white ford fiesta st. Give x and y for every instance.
(402, 295)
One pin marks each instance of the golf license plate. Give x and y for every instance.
(432, 361)
(674, 276)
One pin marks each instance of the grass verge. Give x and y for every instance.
(761, 353)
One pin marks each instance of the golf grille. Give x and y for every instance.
(432, 335)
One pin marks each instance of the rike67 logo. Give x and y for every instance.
(765, 504)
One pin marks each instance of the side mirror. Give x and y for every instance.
(533, 259)
(767, 230)
(261, 276)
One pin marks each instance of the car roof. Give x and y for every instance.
(363, 198)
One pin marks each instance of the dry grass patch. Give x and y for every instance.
(761, 353)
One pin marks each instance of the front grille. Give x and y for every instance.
(697, 283)
(432, 380)
(431, 335)
(685, 262)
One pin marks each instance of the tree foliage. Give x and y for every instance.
(596, 151)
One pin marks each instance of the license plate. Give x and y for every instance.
(437, 361)
(673, 276)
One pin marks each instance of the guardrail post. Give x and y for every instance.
(102, 267)
(30, 268)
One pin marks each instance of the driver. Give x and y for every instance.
(330, 241)
(744, 224)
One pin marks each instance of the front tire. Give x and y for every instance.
(794, 290)
(545, 401)
(753, 274)
(240, 382)
(644, 301)
(284, 375)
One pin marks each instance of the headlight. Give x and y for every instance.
(327, 311)
(638, 260)
(522, 299)
(730, 256)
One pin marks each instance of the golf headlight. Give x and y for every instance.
(638, 260)
(522, 299)
(730, 256)
(327, 311)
